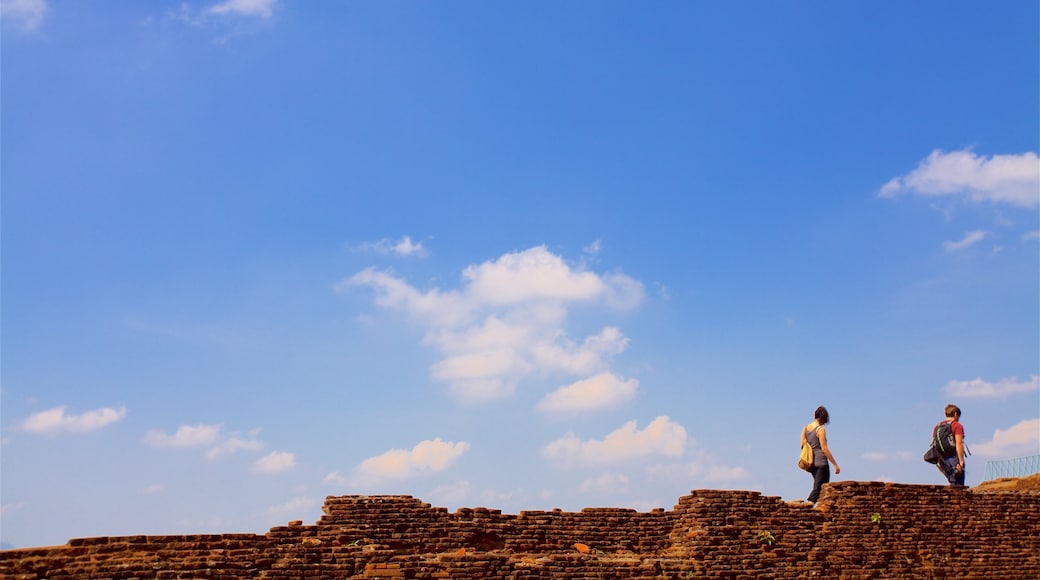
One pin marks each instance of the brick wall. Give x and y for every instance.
(857, 530)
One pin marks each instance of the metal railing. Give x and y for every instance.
(1017, 467)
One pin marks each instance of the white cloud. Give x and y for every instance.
(508, 321)
(704, 469)
(888, 456)
(605, 484)
(661, 437)
(1003, 179)
(531, 275)
(451, 493)
(206, 435)
(1033, 235)
(723, 473)
(398, 464)
(969, 239)
(588, 357)
(153, 489)
(234, 444)
(185, 436)
(402, 247)
(261, 8)
(274, 462)
(293, 506)
(1020, 439)
(979, 389)
(596, 392)
(56, 420)
(10, 508)
(484, 364)
(27, 13)
(434, 308)
(334, 478)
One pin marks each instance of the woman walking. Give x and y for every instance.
(816, 434)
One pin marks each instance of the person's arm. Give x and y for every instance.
(826, 450)
(960, 451)
(802, 444)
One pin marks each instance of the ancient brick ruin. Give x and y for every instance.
(858, 530)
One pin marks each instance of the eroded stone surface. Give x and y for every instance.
(857, 530)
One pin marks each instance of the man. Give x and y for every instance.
(952, 465)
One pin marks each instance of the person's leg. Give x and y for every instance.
(821, 475)
(944, 469)
(815, 493)
(958, 474)
(949, 468)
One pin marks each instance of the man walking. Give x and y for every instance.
(951, 463)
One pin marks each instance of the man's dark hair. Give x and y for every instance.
(953, 411)
(822, 415)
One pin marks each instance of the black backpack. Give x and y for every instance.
(943, 443)
(942, 438)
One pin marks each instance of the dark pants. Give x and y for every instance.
(948, 466)
(821, 474)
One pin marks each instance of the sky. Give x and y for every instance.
(515, 255)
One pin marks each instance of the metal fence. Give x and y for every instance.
(1017, 467)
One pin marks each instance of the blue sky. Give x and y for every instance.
(512, 255)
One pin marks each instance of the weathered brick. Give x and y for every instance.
(858, 530)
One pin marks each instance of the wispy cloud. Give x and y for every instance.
(275, 462)
(293, 506)
(202, 435)
(185, 436)
(261, 8)
(398, 464)
(1000, 179)
(452, 493)
(661, 437)
(56, 420)
(27, 14)
(605, 484)
(233, 444)
(980, 389)
(334, 478)
(969, 239)
(508, 321)
(227, 19)
(596, 392)
(703, 468)
(213, 335)
(153, 489)
(401, 247)
(1021, 439)
(887, 456)
(10, 508)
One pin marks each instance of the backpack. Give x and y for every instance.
(805, 458)
(943, 443)
(942, 438)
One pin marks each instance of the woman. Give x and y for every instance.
(816, 434)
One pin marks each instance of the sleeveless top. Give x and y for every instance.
(819, 459)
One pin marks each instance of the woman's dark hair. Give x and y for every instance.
(822, 415)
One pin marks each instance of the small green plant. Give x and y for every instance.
(875, 518)
(766, 537)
